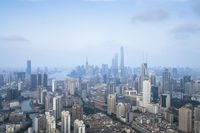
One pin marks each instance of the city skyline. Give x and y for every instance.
(65, 32)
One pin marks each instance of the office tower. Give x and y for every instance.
(166, 81)
(13, 94)
(143, 76)
(111, 88)
(39, 123)
(48, 102)
(154, 94)
(44, 80)
(115, 65)
(153, 80)
(1, 80)
(197, 119)
(20, 86)
(122, 62)
(65, 119)
(57, 107)
(39, 79)
(20, 76)
(185, 119)
(187, 85)
(54, 85)
(28, 67)
(71, 86)
(111, 103)
(43, 95)
(146, 93)
(33, 86)
(50, 124)
(165, 101)
(77, 112)
(79, 126)
(120, 110)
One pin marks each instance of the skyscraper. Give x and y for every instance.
(33, 82)
(57, 107)
(71, 86)
(111, 103)
(165, 100)
(79, 126)
(143, 76)
(122, 62)
(146, 93)
(77, 112)
(120, 110)
(39, 123)
(166, 81)
(50, 124)
(197, 119)
(65, 119)
(185, 119)
(28, 67)
(53, 85)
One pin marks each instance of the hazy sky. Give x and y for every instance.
(65, 32)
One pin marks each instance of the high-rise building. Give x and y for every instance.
(77, 112)
(146, 93)
(48, 104)
(111, 103)
(1, 80)
(57, 107)
(197, 119)
(154, 94)
(33, 86)
(165, 101)
(39, 123)
(122, 62)
(65, 119)
(185, 119)
(79, 126)
(39, 79)
(28, 67)
(166, 81)
(50, 124)
(71, 86)
(43, 95)
(54, 85)
(45, 80)
(120, 110)
(143, 76)
(115, 65)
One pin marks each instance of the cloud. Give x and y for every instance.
(187, 28)
(13, 39)
(153, 15)
(195, 6)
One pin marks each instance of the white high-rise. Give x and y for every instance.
(57, 107)
(54, 85)
(39, 123)
(120, 110)
(65, 119)
(71, 86)
(50, 124)
(79, 126)
(146, 93)
(111, 103)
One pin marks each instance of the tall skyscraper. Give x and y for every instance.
(65, 119)
(39, 123)
(146, 93)
(166, 81)
(122, 62)
(120, 110)
(77, 112)
(53, 85)
(115, 65)
(185, 120)
(111, 103)
(28, 67)
(71, 86)
(57, 107)
(79, 126)
(144, 75)
(50, 124)
(43, 95)
(197, 119)
(33, 86)
(165, 100)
